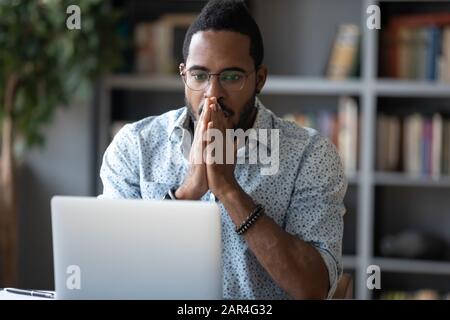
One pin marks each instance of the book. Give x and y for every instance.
(422, 294)
(417, 144)
(416, 53)
(420, 48)
(411, 47)
(382, 138)
(413, 144)
(388, 142)
(340, 127)
(394, 143)
(344, 54)
(446, 147)
(426, 147)
(420, 20)
(436, 146)
(433, 51)
(405, 54)
(145, 49)
(158, 44)
(444, 66)
(348, 133)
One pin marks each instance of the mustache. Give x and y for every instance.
(222, 106)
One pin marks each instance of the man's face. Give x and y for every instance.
(214, 52)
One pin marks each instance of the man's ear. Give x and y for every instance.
(261, 76)
(181, 67)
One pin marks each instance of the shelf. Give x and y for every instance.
(141, 82)
(401, 179)
(274, 84)
(402, 88)
(400, 1)
(413, 266)
(302, 85)
(291, 85)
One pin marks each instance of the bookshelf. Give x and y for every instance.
(274, 84)
(296, 82)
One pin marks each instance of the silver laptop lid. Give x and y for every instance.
(136, 249)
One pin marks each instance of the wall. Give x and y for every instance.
(62, 167)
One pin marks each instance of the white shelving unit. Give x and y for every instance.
(398, 179)
(397, 88)
(368, 88)
(413, 266)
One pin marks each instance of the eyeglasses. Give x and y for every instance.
(230, 80)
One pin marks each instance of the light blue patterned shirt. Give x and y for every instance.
(305, 197)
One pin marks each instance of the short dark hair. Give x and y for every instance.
(227, 15)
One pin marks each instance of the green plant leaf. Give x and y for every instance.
(53, 63)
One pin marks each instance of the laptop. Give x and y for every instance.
(136, 249)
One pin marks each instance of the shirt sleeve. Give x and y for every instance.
(316, 210)
(120, 168)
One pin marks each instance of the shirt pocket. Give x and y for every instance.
(155, 190)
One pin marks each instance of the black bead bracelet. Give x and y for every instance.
(253, 216)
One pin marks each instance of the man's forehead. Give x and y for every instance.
(210, 47)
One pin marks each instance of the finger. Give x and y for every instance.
(200, 120)
(206, 113)
(208, 141)
(213, 111)
(217, 107)
(209, 134)
(220, 122)
(229, 149)
(200, 132)
(218, 114)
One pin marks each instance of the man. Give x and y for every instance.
(289, 243)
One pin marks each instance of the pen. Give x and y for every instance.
(33, 293)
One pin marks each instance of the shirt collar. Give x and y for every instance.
(179, 125)
(264, 120)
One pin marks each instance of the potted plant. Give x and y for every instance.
(43, 64)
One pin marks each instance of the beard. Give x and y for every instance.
(246, 117)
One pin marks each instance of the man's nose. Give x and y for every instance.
(214, 88)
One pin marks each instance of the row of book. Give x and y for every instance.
(412, 47)
(158, 47)
(424, 294)
(340, 126)
(417, 47)
(417, 144)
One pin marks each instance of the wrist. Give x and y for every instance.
(187, 193)
(171, 195)
(229, 191)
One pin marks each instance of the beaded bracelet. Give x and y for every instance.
(171, 194)
(253, 216)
